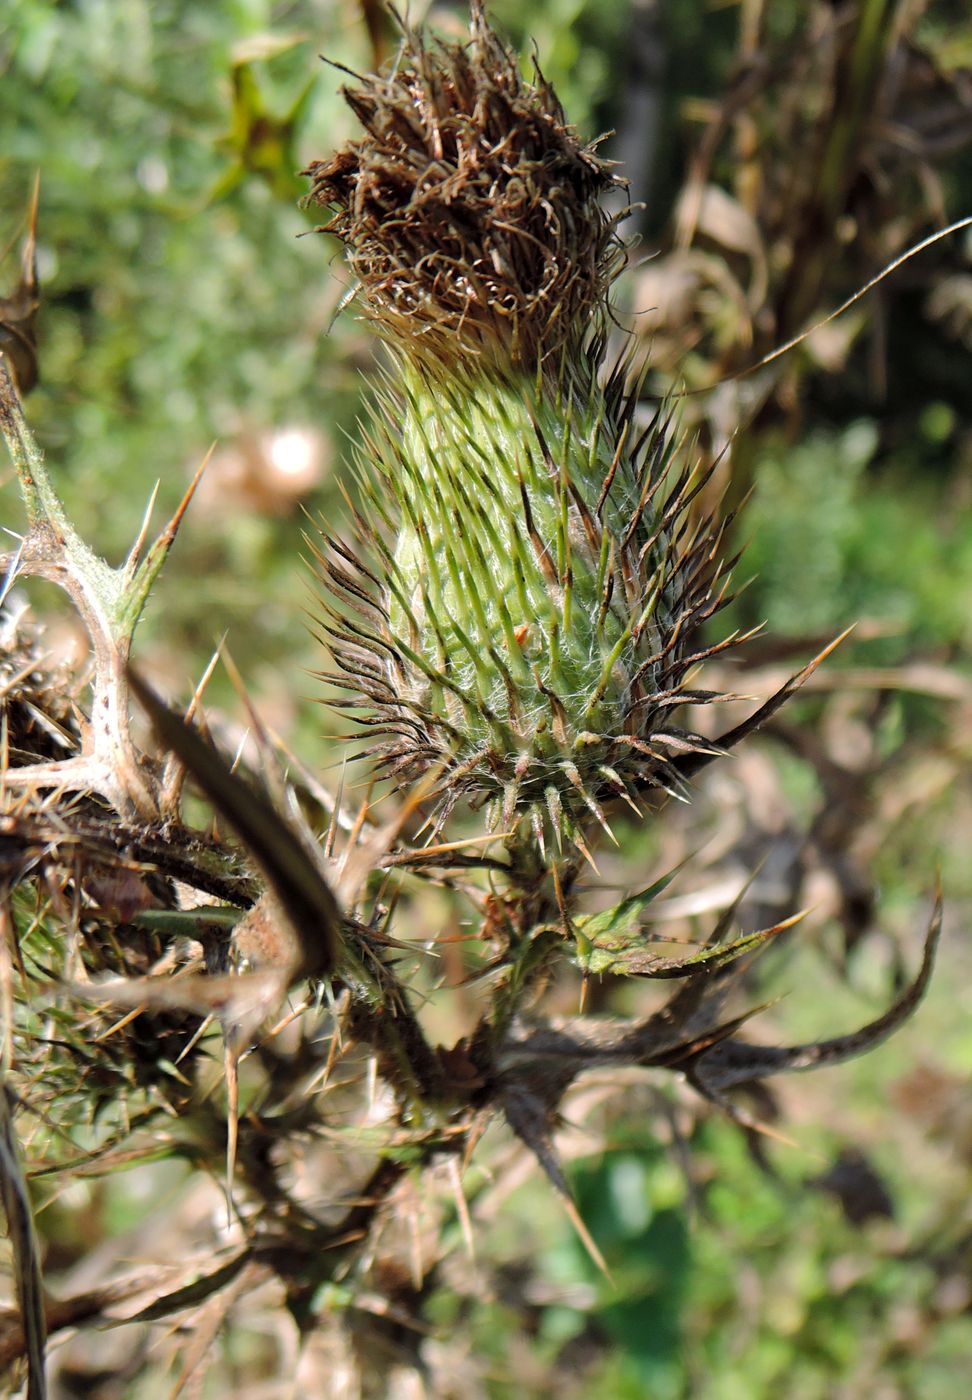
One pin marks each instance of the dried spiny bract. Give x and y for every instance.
(523, 612)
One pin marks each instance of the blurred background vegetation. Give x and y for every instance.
(782, 155)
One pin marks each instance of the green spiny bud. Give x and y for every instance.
(523, 614)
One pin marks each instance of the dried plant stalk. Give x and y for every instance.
(519, 628)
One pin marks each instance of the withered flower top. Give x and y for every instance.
(470, 210)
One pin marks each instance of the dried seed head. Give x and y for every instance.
(38, 696)
(470, 210)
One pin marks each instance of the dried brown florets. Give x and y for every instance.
(470, 209)
(37, 696)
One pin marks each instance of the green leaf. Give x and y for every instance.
(606, 939)
(615, 942)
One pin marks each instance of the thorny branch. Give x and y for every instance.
(131, 933)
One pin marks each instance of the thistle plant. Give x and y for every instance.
(518, 628)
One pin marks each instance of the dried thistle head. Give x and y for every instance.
(470, 209)
(38, 696)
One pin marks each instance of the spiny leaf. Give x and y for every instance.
(735, 1062)
(633, 961)
(193, 1293)
(530, 1120)
(296, 881)
(20, 1229)
(602, 938)
(690, 764)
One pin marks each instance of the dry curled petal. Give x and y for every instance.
(470, 208)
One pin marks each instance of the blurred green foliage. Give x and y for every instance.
(838, 533)
(179, 306)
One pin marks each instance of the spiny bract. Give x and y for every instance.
(522, 610)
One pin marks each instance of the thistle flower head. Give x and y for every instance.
(470, 209)
(522, 613)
